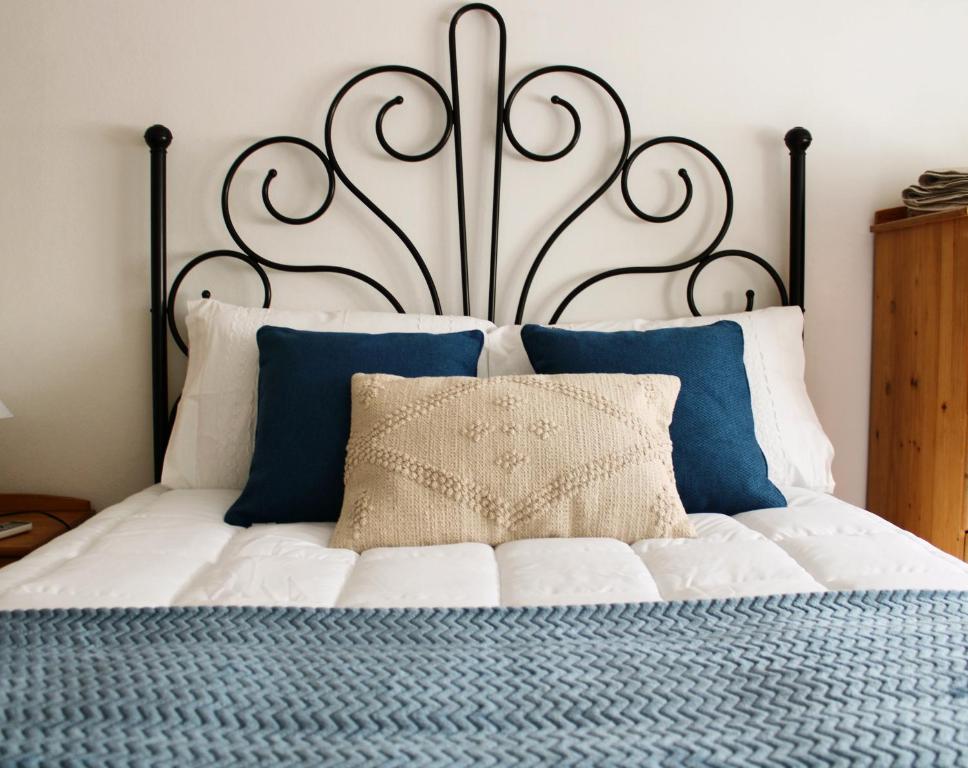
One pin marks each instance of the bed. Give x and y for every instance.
(170, 548)
(810, 632)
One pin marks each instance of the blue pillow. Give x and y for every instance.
(719, 465)
(303, 420)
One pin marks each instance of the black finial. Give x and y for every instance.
(797, 140)
(158, 137)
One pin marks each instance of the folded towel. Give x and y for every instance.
(938, 190)
(941, 177)
(935, 207)
(916, 192)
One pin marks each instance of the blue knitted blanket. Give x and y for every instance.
(861, 678)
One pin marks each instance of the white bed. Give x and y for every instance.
(170, 547)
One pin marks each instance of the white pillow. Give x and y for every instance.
(212, 439)
(798, 452)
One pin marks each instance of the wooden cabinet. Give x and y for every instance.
(919, 375)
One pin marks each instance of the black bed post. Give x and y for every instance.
(797, 141)
(158, 137)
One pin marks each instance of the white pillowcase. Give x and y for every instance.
(212, 439)
(798, 452)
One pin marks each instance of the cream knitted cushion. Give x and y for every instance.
(454, 459)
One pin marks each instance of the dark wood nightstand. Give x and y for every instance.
(51, 516)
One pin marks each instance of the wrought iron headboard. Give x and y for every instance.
(158, 138)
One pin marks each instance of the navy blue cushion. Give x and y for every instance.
(303, 419)
(719, 465)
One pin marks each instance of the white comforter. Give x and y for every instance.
(162, 547)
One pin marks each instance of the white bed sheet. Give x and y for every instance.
(170, 547)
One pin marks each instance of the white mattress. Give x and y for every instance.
(170, 547)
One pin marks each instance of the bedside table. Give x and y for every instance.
(51, 516)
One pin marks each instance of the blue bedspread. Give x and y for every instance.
(861, 678)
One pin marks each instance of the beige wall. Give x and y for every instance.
(880, 84)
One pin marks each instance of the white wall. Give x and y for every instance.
(880, 84)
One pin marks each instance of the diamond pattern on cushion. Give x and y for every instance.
(426, 457)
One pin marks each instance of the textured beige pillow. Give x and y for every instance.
(453, 459)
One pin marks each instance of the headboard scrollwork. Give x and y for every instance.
(159, 139)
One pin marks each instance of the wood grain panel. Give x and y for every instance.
(919, 378)
(891, 219)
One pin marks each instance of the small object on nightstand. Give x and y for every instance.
(49, 517)
(14, 527)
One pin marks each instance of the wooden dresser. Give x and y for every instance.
(918, 457)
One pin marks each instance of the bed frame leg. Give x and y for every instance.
(797, 141)
(158, 138)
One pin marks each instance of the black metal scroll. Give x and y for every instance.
(159, 138)
(498, 154)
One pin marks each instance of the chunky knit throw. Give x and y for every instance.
(832, 679)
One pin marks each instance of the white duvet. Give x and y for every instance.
(170, 547)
